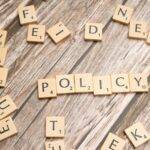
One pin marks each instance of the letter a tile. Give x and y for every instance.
(123, 14)
(113, 142)
(65, 84)
(55, 127)
(93, 31)
(55, 145)
(7, 128)
(47, 88)
(7, 106)
(137, 134)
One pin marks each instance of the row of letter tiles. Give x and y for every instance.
(84, 83)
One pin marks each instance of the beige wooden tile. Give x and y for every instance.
(7, 128)
(120, 83)
(148, 38)
(137, 134)
(65, 84)
(113, 142)
(123, 14)
(27, 14)
(7, 106)
(3, 76)
(55, 127)
(83, 83)
(93, 31)
(3, 36)
(47, 88)
(36, 33)
(138, 30)
(58, 32)
(55, 145)
(138, 83)
(102, 85)
(3, 53)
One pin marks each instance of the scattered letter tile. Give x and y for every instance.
(138, 30)
(3, 36)
(55, 145)
(93, 31)
(137, 134)
(138, 83)
(7, 106)
(83, 83)
(3, 53)
(148, 39)
(58, 32)
(123, 14)
(120, 83)
(27, 14)
(65, 84)
(3, 76)
(55, 127)
(36, 33)
(113, 142)
(7, 128)
(102, 85)
(47, 88)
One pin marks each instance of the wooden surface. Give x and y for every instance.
(88, 118)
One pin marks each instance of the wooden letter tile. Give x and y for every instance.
(27, 14)
(3, 36)
(36, 33)
(113, 142)
(83, 83)
(138, 83)
(3, 53)
(138, 30)
(3, 76)
(55, 145)
(137, 134)
(7, 128)
(58, 32)
(65, 84)
(123, 14)
(7, 106)
(102, 85)
(120, 83)
(148, 39)
(47, 88)
(93, 31)
(55, 127)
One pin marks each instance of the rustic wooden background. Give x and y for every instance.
(88, 119)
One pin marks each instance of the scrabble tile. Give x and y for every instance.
(47, 88)
(123, 14)
(58, 32)
(3, 76)
(93, 31)
(3, 53)
(55, 127)
(3, 36)
(36, 33)
(55, 145)
(83, 83)
(120, 83)
(102, 85)
(7, 106)
(137, 134)
(27, 14)
(138, 30)
(148, 38)
(138, 83)
(65, 84)
(113, 142)
(7, 128)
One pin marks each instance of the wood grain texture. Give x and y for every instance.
(88, 118)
